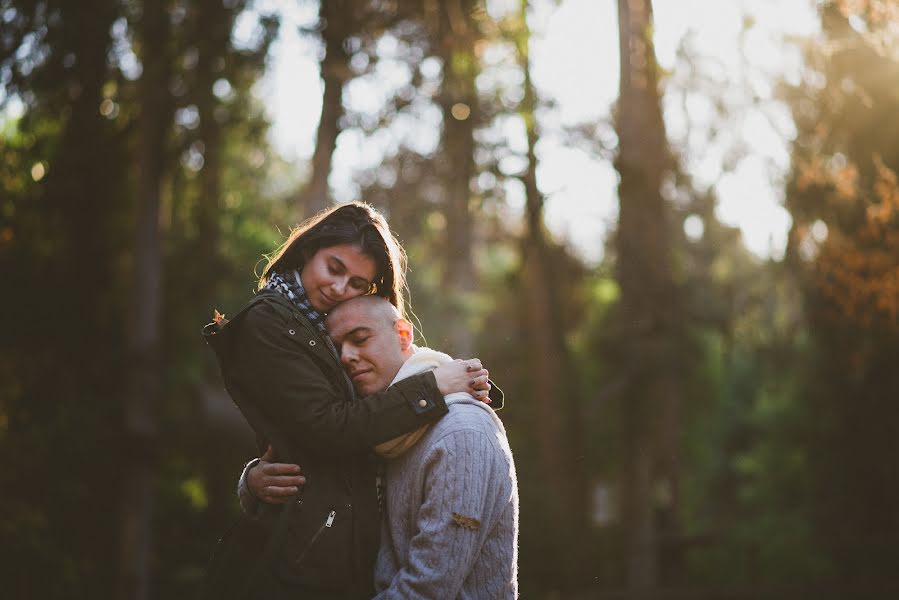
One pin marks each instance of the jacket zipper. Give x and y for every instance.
(328, 523)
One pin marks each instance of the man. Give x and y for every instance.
(451, 526)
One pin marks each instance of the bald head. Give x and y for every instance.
(373, 308)
(373, 341)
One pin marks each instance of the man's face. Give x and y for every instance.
(369, 345)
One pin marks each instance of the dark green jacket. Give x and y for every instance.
(290, 386)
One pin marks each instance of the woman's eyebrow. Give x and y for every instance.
(338, 261)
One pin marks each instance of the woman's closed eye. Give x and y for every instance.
(360, 285)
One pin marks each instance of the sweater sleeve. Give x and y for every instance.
(462, 474)
(281, 375)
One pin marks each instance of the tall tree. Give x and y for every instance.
(456, 33)
(337, 21)
(144, 380)
(556, 397)
(213, 23)
(62, 208)
(648, 306)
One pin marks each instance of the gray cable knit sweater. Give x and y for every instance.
(451, 529)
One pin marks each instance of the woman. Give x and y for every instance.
(284, 374)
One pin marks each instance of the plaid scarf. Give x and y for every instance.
(292, 287)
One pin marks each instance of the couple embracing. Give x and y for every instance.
(408, 487)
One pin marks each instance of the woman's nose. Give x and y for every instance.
(339, 286)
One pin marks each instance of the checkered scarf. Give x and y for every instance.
(292, 287)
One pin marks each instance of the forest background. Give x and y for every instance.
(690, 419)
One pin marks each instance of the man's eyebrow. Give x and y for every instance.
(359, 329)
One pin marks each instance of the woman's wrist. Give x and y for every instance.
(249, 503)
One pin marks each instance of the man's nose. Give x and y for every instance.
(347, 356)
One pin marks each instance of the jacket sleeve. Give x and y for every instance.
(273, 368)
(463, 469)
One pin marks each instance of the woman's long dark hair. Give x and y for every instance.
(355, 223)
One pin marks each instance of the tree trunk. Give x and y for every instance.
(648, 305)
(336, 17)
(143, 383)
(556, 400)
(81, 210)
(213, 35)
(459, 102)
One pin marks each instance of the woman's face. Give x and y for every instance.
(335, 274)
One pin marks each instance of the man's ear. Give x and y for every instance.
(406, 332)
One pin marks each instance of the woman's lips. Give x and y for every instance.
(328, 300)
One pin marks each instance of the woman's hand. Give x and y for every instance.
(274, 483)
(467, 376)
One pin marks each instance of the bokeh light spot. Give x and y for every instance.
(694, 227)
(436, 221)
(38, 170)
(461, 111)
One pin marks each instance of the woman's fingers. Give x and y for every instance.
(480, 387)
(280, 468)
(483, 396)
(274, 483)
(462, 376)
(282, 475)
(277, 491)
(283, 481)
(480, 382)
(272, 499)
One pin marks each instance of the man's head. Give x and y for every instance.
(373, 341)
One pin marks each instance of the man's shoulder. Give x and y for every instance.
(468, 437)
(466, 417)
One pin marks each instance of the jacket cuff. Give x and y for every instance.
(423, 396)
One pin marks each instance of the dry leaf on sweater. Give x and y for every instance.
(466, 522)
(219, 318)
